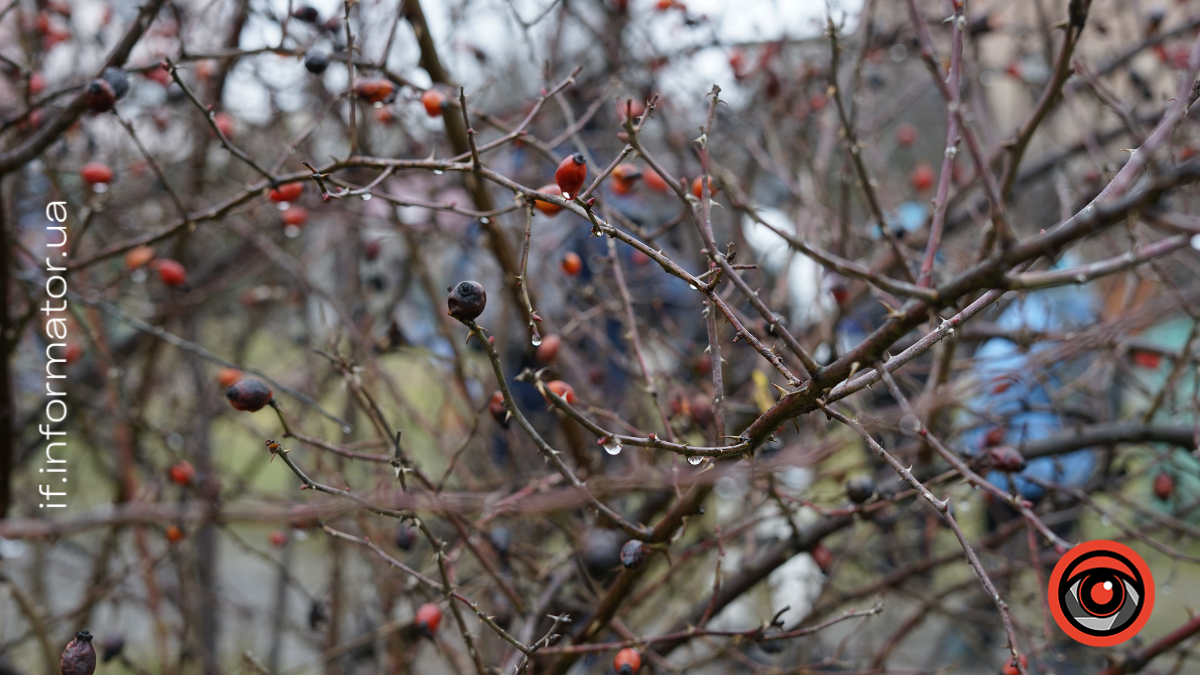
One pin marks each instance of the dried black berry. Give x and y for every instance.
(306, 14)
(501, 540)
(316, 62)
(406, 536)
(601, 552)
(116, 78)
(860, 488)
(467, 300)
(251, 394)
(633, 554)
(316, 614)
(79, 658)
(113, 646)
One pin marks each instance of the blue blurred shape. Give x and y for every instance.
(1013, 386)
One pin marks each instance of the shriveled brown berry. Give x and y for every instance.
(79, 658)
(1006, 458)
(467, 300)
(250, 394)
(633, 554)
(994, 436)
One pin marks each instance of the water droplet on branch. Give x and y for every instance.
(612, 446)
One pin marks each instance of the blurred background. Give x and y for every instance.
(204, 252)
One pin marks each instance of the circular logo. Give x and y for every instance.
(1101, 593)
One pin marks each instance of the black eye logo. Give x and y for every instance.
(1101, 593)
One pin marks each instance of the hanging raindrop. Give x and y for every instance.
(366, 196)
(612, 446)
(537, 340)
(438, 172)
(695, 460)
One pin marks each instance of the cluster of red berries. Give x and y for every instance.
(170, 272)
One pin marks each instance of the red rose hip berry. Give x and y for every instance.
(288, 192)
(572, 264)
(295, 216)
(922, 177)
(137, 257)
(433, 100)
(375, 91)
(182, 473)
(548, 208)
(563, 390)
(627, 661)
(1164, 485)
(94, 173)
(429, 616)
(170, 272)
(548, 350)
(570, 175)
